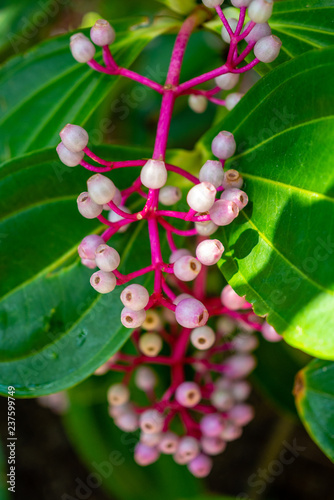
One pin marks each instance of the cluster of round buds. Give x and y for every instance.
(101, 34)
(74, 140)
(134, 298)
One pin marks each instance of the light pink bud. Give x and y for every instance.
(267, 48)
(212, 425)
(232, 179)
(222, 400)
(102, 33)
(103, 282)
(240, 3)
(87, 207)
(213, 445)
(231, 432)
(212, 3)
(107, 258)
(198, 103)
(231, 299)
(177, 254)
(227, 81)
(203, 338)
(233, 25)
(128, 422)
(201, 466)
(151, 421)
(245, 343)
(239, 197)
(88, 246)
(169, 443)
(118, 395)
(270, 334)
(188, 394)
(241, 414)
(239, 366)
(69, 158)
(150, 344)
(202, 196)
(232, 100)
(207, 228)
(89, 263)
(101, 189)
(187, 268)
(224, 145)
(224, 212)
(135, 297)
(191, 313)
(145, 378)
(188, 449)
(154, 174)
(74, 138)
(209, 252)
(259, 31)
(182, 296)
(145, 455)
(241, 390)
(169, 195)
(82, 48)
(132, 319)
(150, 439)
(260, 11)
(212, 172)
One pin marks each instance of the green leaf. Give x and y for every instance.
(314, 393)
(180, 6)
(46, 88)
(280, 250)
(109, 451)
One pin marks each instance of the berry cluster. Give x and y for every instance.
(207, 357)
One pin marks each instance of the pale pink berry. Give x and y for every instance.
(103, 282)
(203, 338)
(191, 313)
(212, 3)
(182, 296)
(187, 450)
(88, 246)
(209, 252)
(212, 172)
(232, 100)
(206, 228)
(241, 390)
(198, 103)
(145, 455)
(135, 297)
(151, 421)
(201, 466)
(188, 394)
(101, 189)
(270, 334)
(245, 343)
(117, 199)
(240, 3)
(169, 195)
(224, 145)
(102, 33)
(201, 197)
(213, 445)
(267, 48)
(128, 422)
(224, 212)
(187, 268)
(89, 263)
(259, 31)
(82, 48)
(113, 217)
(239, 197)
(87, 207)
(177, 254)
(231, 299)
(152, 321)
(212, 425)
(239, 366)
(222, 399)
(241, 414)
(233, 25)
(227, 81)
(231, 432)
(150, 439)
(118, 395)
(226, 326)
(232, 179)
(154, 174)
(74, 138)
(115, 411)
(69, 158)
(132, 319)
(169, 443)
(259, 11)
(107, 258)
(150, 344)
(145, 378)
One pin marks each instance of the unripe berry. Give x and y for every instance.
(224, 145)
(74, 138)
(87, 207)
(202, 196)
(118, 394)
(268, 48)
(213, 445)
(239, 366)
(209, 252)
(113, 217)
(222, 399)
(198, 103)
(259, 31)
(150, 344)
(145, 455)
(224, 212)
(145, 378)
(117, 199)
(187, 450)
(182, 296)
(201, 466)
(212, 425)
(103, 282)
(212, 172)
(233, 25)
(102, 33)
(240, 3)
(225, 326)
(82, 48)
(115, 411)
(212, 3)
(241, 390)
(135, 297)
(244, 343)
(231, 299)
(88, 246)
(203, 338)
(151, 421)
(132, 319)
(188, 394)
(260, 11)
(187, 268)
(206, 228)
(270, 334)
(89, 263)
(128, 422)
(232, 100)
(227, 81)
(232, 179)
(152, 321)
(191, 313)
(169, 195)
(107, 258)
(67, 157)
(169, 443)
(239, 197)
(231, 432)
(101, 189)
(150, 439)
(241, 414)
(154, 174)
(177, 254)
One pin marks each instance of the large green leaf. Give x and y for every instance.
(109, 451)
(180, 6)
(46, 88)
(314, 393)
(280, 249)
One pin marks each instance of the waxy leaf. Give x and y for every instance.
(280, 250)
(314, 393)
